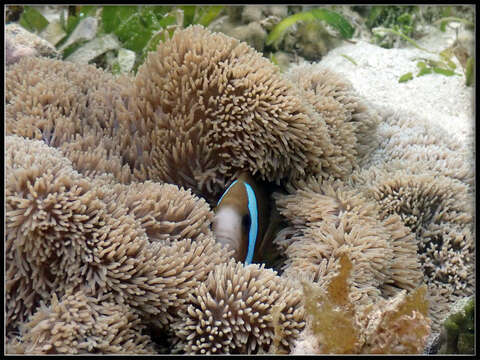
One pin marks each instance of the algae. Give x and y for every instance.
(458, 333)
(395, 326)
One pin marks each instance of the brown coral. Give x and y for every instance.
(233, 312)
(209, 105)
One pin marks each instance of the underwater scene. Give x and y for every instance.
(248, 179)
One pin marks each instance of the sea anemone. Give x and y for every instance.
(350, 123)
(438, 210)
(82, 324)
(66, 231)
(209, 105)
(77, 108)
(328, 221)
(109, 180)
(424, 176)
(414, 145)
(233, 311)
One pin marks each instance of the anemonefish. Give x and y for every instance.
(242, 218)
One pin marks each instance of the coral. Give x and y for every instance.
(234, 312)
(458, 330)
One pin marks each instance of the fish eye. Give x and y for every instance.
(246, 222)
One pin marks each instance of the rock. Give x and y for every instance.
(85, 30)
(94, 48)
(279, 11)
(253, 34)
(284, 59)
(20, 42)
(457, 334)
(126, 60)
(252, 13)
(54, 32)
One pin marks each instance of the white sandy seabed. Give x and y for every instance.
(443, 100)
